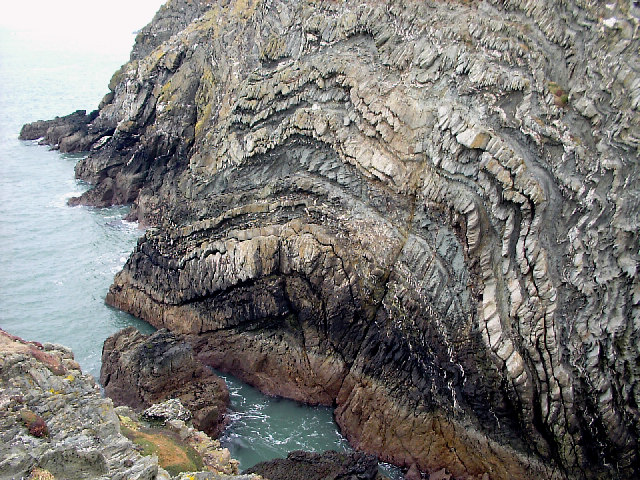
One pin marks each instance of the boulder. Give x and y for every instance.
(166, 411)
(139, 371)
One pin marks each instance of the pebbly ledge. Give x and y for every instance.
(423, 213)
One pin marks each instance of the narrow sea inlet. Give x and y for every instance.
(57, 262)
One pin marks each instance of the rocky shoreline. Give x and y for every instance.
(422, 213)
(55, 423)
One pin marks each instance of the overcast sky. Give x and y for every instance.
(78, 23)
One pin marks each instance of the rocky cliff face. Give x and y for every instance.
(424, 213)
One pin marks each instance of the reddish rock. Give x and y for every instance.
(440, 475)
(413, 473)
(139, 370)
(34, 423)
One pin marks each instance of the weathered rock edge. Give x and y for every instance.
(141, 370)
(424, 212)
(83, 439)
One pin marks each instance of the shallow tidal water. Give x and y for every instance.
(57, 262)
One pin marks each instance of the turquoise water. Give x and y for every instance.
(57, 262)
(264, 427)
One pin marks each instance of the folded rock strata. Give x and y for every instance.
(424, 213)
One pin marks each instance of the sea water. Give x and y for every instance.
(57, 262)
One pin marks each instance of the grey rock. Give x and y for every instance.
(83, 440)
(171, 409)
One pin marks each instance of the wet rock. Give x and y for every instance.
(140, 371)
(329, 465)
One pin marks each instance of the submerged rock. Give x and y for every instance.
(329, 465)
(423, 213)
(139, 370)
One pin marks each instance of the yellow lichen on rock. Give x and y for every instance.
(41, 474)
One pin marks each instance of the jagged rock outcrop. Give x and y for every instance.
(424, 213)
(329, 465)
(55, 424)
(141, 370)
(82, 437)
(70, 133)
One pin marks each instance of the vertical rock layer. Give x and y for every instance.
(425, 213)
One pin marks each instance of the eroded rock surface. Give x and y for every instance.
(424, 213)
(141, 370)
(82, 438)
